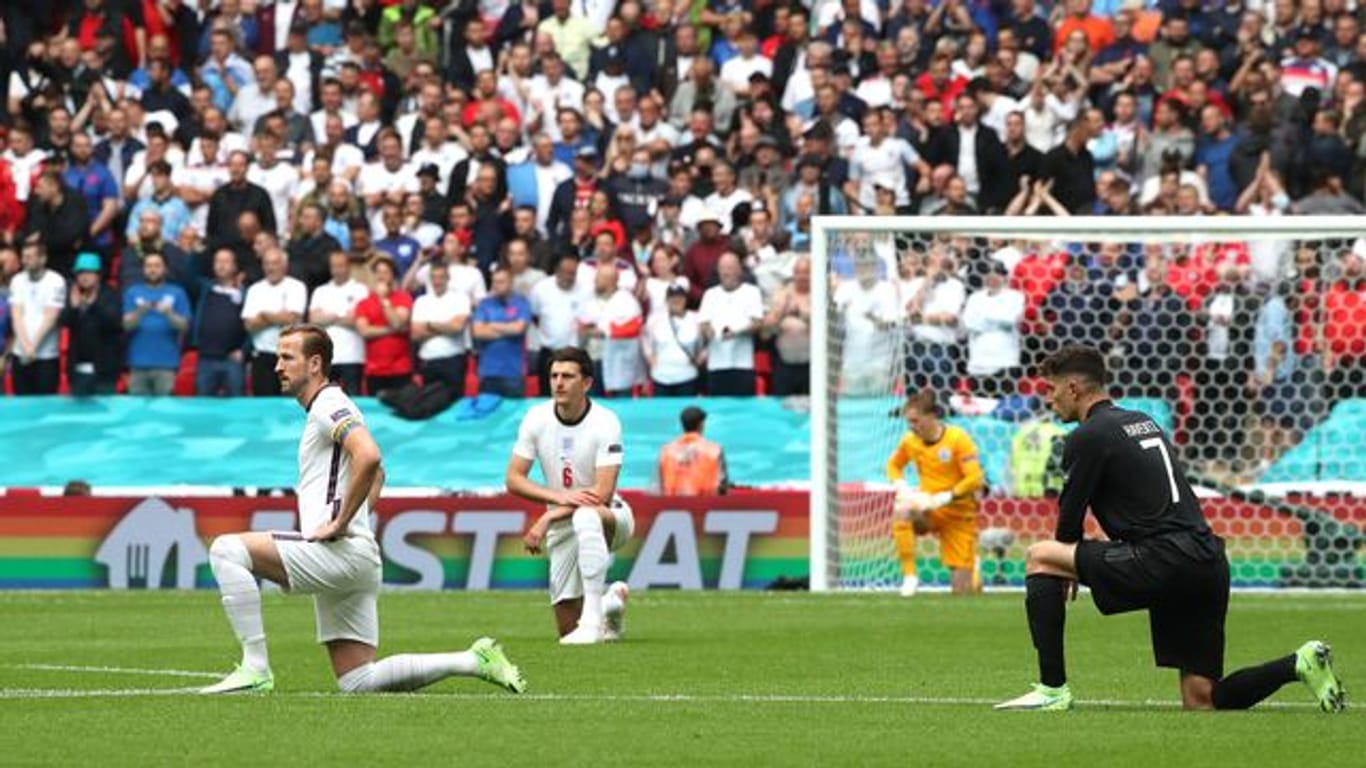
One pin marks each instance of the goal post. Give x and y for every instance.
(1185, 310)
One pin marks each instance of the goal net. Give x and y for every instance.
(1245, 338)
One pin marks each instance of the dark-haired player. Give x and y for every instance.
(1161, 556)
(333, 556)
(578, 444)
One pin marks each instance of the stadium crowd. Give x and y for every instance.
(456, 188)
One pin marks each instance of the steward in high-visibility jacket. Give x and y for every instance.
(692, 465)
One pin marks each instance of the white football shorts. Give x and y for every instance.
(343, 576)
(562, 549)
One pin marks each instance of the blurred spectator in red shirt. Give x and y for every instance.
(1344, 326)
(699, 263)
(11, 211)
(382, 320)
(940, 84)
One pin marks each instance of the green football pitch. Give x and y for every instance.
(703, 678)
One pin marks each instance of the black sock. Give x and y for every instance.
(1246, 687)
(1046, 607)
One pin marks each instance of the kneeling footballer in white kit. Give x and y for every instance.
(578, 444)
(333, 556)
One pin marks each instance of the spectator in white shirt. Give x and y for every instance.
(390, 173)
(1051, 105)
(654, 133)
(37, 296)
(195, 181)
(880, 155)
(610, 323)
(464, 277)
(673, 347)
(731, 314)
(876, 89)
(552, 91)
(435, 149)
(729, 200)
(933, 309)
(347, 159)
(273, 302)
(747, 61)
(279, 180)
(440, 317)
(666, 263)
(992, 318)
(137, 182)
(556, 303)
(333, 306)
(514, 80)
(525, 275)
(330, 94)
(870, 315)
(254, 100)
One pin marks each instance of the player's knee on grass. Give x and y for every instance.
(1197, 692)
(567, 613)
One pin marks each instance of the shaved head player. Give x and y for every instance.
(333, 556)
(1161, 556)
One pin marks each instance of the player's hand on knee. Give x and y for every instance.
(582, 497)
(328, 531)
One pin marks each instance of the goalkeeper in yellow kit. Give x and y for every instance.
(950, 475)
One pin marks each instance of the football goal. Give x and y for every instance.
(1244, 338)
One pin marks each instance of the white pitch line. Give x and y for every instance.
(71, 693)
(118, 670)
(655, 698)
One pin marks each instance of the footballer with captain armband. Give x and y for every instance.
(333, 556)
(578, 444)
(950, 474)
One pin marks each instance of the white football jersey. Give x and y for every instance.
(324, 465)
(570, 454)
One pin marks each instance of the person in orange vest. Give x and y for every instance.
(692, 465)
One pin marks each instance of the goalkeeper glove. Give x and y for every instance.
(940, 499)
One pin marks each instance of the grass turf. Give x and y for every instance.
(761, 679)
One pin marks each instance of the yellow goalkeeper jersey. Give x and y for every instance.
(948, 464)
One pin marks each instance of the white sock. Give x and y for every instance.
(592, 563)
(612, 604)
(408, 672)
(231, 564)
